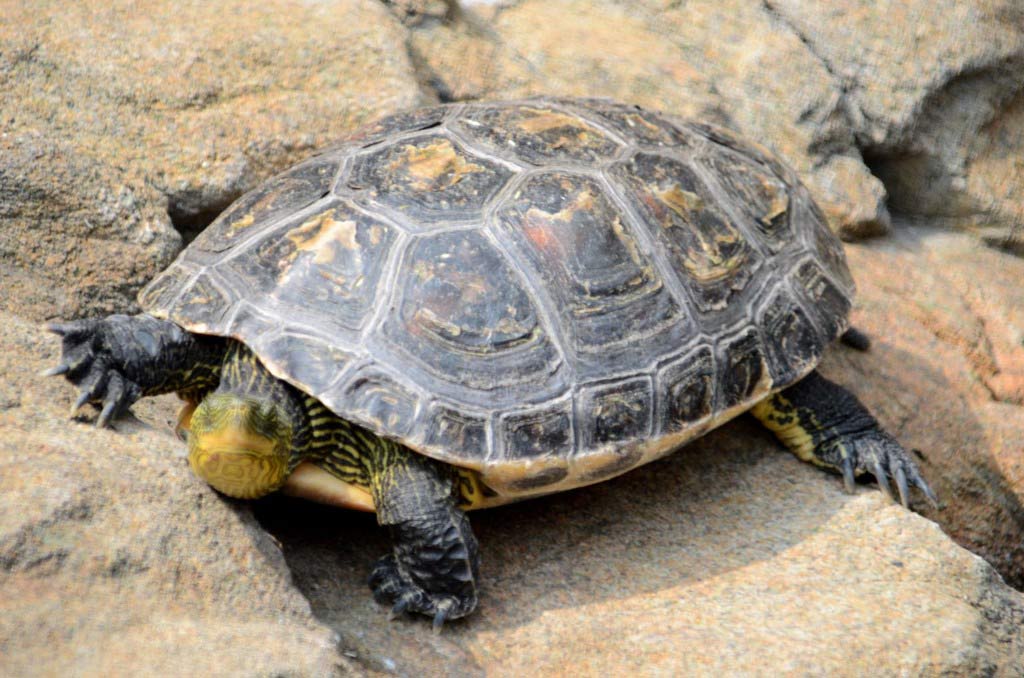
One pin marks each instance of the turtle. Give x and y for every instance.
(474, 303)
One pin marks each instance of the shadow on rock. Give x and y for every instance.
(981, 510)
(730, 500)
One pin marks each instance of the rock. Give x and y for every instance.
(995, 179)
(729, 63)
(124, 123)
(947, 361)
(728, 556)
(860, 111)
(933, 92)
(115, 560)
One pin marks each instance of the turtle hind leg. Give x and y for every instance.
(823, 423)
(433, 567)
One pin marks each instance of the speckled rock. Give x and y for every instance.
(114, 560)
(921, 96)
(729, 63)
(946, 372)
(729, 557)
(994, 180)
(116, 118)
(933, 92)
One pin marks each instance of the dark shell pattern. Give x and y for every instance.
(548, 291)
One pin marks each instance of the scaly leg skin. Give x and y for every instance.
(116, 360)
(823, 423)
(433, 568)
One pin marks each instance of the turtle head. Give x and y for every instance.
(240, 446)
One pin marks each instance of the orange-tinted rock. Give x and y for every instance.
(727, 556)
(945, 313)
(118, 118)
(930, 92)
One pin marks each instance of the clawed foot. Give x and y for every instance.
(391, 586)
(87, 363)
(878, 454)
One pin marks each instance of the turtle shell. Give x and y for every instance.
(548, 291)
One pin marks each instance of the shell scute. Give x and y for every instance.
(743, 369)
(647, 128)
(432, 179)
(545, 431)
(548, 291)
(312, 363)
(795, 346)
(327, 264)
(464, 316)
(618, 411)
(830, 305)
(279, 197)
(585, 253)
(686, 388)
(450, 428)
(757, 193)
(712, 256)
(538, 134)
(373, 395)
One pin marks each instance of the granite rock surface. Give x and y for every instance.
(729, 557)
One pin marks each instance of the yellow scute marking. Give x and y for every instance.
(779, 202)
(436, 166)
(539, 223)
(540, 121)
(633, 120)
(318, 233)
(683, 203)
(707, 261)
(245, 222)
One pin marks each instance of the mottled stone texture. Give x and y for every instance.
(119, 122)
(730, 556)
(918, 100)
(118, 117)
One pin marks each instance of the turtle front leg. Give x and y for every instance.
(823, 423)
(433, 567)
(118, 359)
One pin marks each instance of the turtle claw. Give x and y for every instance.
(881, 477)
(901, 485)
(389, 585)
(878, 454)
(83, 397)
(399, 608)
(929, 495)
(73, 329)
(849, 479)
(441, 616)
(61, 329)
(86, 363)
(63, 368)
